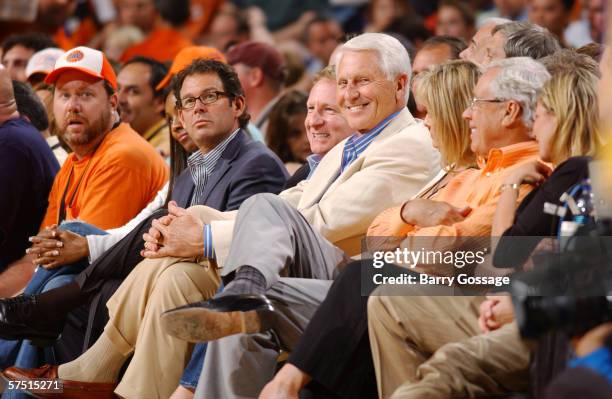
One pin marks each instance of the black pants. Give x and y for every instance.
(94, 287)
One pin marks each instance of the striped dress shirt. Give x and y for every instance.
(201, 166)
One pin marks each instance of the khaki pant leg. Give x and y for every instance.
(159, 359)
(405, 330)
(485, 365)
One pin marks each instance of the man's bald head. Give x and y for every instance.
(8, 107)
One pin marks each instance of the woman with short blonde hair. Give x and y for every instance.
(446, 91)
(571, 97)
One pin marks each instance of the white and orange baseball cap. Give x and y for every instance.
(43, 61)
(87, 60)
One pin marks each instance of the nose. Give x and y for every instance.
(315, 119)
(73, 104)
(467, 114)
(463, 55)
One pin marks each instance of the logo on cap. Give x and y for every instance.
(76, 55)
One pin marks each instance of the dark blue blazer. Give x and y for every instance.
(246, 167)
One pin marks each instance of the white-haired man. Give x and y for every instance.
(476, 51)
(390, 156)
(304, 233)
(403, 333)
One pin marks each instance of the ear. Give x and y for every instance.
(401, 85)
(513, 114)
(114, 100)
(239, 105)
(159, 104)
(256, 77)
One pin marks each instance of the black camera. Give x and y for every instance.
(569, 291)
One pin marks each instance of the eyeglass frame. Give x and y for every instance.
(217, 93)
(476, 100)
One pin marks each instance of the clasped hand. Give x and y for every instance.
(178, 234)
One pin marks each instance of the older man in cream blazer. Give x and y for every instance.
(303, 233)
(390, 157)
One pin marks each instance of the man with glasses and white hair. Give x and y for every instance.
(406, 330)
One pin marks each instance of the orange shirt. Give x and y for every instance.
(162, 45)
(80, 37)
(110, 186)
(476, 188)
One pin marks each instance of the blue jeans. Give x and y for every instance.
(22, 353)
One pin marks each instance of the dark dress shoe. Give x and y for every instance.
(66, 389)
(20, 318)
(219, 317)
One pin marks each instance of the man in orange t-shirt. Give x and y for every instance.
(113, 172)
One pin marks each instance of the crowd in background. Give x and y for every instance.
(145, 144)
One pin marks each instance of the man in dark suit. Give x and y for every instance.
(227, 169)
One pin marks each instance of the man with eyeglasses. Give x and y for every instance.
(227, 168)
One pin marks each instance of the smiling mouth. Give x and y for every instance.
(320, 135)
(355, 108)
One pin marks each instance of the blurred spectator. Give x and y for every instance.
(596, 15)
(31, 107)
(477, 48)
(27, 169)
(514, 10)
(435, 51)
(40, 64)
(521, 39)
(286, 130)
(165, 40)
(17, 50)
(68, 22)
(553, 15)
(139, 13)
(455, 19)
(260, 69)
(227, 28)
(295, 59)
(411, 27)
(381, 13)
(321, 38)
(119, 40)
(140, 104)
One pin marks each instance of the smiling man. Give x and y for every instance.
(313, 226)
(140, 104)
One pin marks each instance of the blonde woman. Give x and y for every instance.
(566, 127)
(445, 91)
(349, 372)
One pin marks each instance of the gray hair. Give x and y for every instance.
(525, 39)
(394, 58)
(520, 79)
(496, 21)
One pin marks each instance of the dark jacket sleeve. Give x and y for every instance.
(14, 178)
(264, 173)
(530, 222)
(298, 176)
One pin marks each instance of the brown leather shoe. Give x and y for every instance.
(66, 389)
